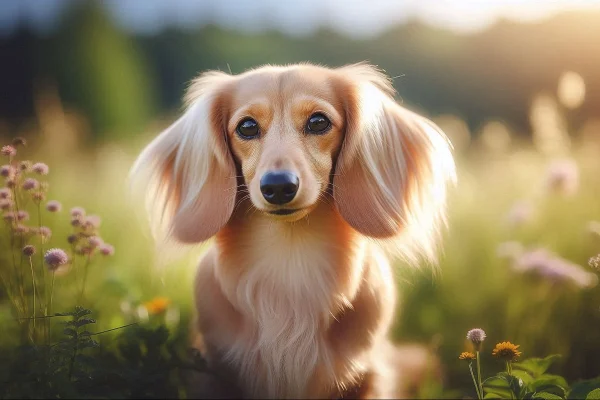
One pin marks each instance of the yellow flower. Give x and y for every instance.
(506, 351)
(468, 356)
(157, 305)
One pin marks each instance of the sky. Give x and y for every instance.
(296, 17)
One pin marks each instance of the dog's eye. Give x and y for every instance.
(248, 129)
(317, 123)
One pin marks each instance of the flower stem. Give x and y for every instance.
(34, 295)
(475, 381)
(479, 374)
(18, 272)
(8, 282)
(85, 274)
(509, 367)
(51, 292)
(46, 321)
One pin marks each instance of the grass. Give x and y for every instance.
(475, 287)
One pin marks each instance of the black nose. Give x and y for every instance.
(279, 187)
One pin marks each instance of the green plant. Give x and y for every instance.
(528, 379)
(146, 364)
(29, 274)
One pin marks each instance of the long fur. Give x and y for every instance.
(299, 308)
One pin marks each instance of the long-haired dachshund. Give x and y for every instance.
(310, 180)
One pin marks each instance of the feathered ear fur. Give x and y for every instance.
(393, 168)
(187, 172)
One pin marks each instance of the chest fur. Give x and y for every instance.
(288, 286)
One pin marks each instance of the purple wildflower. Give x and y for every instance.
(30, 184)
(95, 241)
(476, 335)
(9, 216)
(53, 206)
(40, 168)
(44, 232)
(8, 151)
(77, 212)
(5, 193)
(38, 196)
(5, 204)
(21, 229)
(55, 258)
(7, 171)
(554, 268)
(28, 250)
(22, 215)
(92, 221)
(106, 249)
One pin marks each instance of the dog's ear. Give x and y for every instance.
(187, 172)
(394, 165)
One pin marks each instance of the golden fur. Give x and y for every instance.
(299, 305)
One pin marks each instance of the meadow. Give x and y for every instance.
(524, 222)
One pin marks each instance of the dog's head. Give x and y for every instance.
(287, 137)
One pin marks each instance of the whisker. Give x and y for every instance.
(240, 201)
(237, 187)
(252, 209)
(235, 194)
(323, 198)
(335, 186)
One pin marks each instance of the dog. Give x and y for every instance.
(310, 180)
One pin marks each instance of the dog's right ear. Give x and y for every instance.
(187, 172)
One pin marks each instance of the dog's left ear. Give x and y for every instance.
(394, 165)
(187, 172)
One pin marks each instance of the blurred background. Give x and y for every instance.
(514, 84)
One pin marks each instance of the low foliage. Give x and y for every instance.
(527, 379)
(146, 363)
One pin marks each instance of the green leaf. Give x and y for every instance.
(84, 321)
(546, 396)
(523, 375)
(498, 386)
(547, 382)
(88, 343)
(80, 312)
(494, 396)
(593, 395)
(494, 380)
(70, 332)
(537, 366)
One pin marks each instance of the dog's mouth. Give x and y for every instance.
(287, 214)
(284, 211)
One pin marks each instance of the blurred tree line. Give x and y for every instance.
(122, 81)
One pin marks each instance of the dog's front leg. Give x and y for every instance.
(215, 328)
